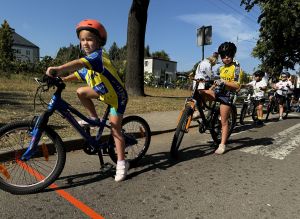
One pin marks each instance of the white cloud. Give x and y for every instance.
(227, 27)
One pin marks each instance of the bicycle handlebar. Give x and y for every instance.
(47, 82)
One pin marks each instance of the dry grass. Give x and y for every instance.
(17, 94)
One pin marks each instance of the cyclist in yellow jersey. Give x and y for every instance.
(103, 83)
(230, 74)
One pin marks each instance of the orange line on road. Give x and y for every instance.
(78, 204)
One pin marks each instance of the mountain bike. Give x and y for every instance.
(210, 121)
(273, 106)
(32, 154)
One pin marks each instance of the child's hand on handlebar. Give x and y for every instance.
(219, 82)
(51, 71)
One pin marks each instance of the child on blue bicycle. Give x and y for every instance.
(103, 83)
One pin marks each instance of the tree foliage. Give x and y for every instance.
(147, 52)
(66, 54)
(161, 55)
(118, 58)
(6, 51)
(279, 39)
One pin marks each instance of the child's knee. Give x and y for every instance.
(80, 91)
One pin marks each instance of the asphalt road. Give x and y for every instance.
(258, 177)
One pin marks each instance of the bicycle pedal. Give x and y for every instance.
(106, 167)
(201, 127)
(90, 150)
(104, 151)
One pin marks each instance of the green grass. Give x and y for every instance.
(17, 94)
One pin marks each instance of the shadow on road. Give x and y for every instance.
(81, 179)
(248, 142)
(163, 160)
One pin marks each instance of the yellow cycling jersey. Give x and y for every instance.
(104, 79)
(231, 73)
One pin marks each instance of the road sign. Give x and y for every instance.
(204, 35)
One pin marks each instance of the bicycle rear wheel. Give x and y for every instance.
(285, 110)
(216, 127)
(137, 136)
(35, 174)
(270, 108)
(181, 129)
(254, 111)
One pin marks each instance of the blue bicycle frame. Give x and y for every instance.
(65, 110)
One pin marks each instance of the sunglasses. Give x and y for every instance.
(223, 55)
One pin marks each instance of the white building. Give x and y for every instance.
(162, 70)
(24, 49)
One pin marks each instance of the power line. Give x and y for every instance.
(217, 5)
(245, 15)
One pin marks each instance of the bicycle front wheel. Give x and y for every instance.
(137, 137)
(216, 127)
(181, 129)
(45, 165)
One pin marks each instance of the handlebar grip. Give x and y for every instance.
(54, 73)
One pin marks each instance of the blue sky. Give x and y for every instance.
(171, 25)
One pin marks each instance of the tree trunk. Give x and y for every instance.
(137, 20)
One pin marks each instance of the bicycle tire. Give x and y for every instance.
(37, 173)
(286, 111)
(137, 136)
(181, 129)
(215, 131)
(269, 110)
(254, 112)
(243, 113)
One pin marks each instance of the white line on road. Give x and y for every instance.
(284, 143)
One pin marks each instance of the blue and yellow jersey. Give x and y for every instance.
(231, 73)
(104, 79)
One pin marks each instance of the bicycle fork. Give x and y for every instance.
(37, 127)
(192, 104)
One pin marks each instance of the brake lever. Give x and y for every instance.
(39, 81)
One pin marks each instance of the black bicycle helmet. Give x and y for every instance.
(274, 79)
(259, 73)
(227, 49)
(286, 73)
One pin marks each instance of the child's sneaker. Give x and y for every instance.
(121, 171)
(221, 149)
(280, 118)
